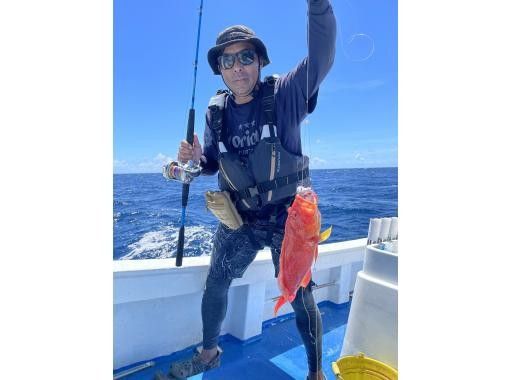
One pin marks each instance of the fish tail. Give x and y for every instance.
(323, 236)
(281, 301)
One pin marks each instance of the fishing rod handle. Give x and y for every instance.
(191, 126)
(180, 248)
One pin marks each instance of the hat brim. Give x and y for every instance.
(216, 51)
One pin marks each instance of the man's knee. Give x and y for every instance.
(217, 285)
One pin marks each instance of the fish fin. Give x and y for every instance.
(325, 234)
(306, 278)
(281, 301)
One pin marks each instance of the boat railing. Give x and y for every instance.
(157, 305)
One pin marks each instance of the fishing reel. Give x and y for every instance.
(182, 172)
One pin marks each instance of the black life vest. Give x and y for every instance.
(270, 174)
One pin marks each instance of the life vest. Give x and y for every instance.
(270, 174)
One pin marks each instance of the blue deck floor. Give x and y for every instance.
(276, 354)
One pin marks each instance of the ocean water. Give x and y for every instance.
(147, 210)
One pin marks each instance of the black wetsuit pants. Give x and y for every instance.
(233, 251)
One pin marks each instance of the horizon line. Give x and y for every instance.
(375, 167)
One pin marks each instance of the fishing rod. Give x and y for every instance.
(189, 138)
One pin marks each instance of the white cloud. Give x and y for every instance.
(161, 156)
(359, 157)
(316, 162)
(119, 164)
(152, 165)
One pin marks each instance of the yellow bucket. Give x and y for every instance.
(362, 368)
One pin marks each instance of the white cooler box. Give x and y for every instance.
(372, 327)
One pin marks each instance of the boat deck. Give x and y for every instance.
(275, 354)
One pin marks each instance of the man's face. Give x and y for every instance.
(241, 79)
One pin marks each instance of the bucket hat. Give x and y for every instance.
(236, 33)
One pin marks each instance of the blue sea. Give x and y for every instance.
(147, 210)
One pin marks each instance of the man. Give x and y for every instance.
(232, 145)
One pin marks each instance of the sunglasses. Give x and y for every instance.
(245, 57)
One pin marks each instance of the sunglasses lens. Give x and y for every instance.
(246, 57)
(227, 61)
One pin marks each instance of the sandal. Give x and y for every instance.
(193, 366)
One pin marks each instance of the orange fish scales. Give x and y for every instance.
(299, 247)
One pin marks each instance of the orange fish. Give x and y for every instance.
(300, 245)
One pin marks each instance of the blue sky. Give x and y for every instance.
(354, 125)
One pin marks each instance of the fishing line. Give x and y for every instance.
(307, 121)
(309, 319)
(360, 40)
(310, 181)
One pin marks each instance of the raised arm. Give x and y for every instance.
(321, 49)
(322, 39)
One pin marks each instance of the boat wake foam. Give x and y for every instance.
(162, 244)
